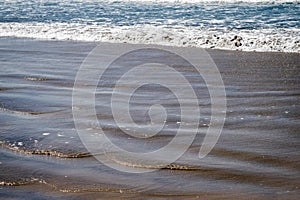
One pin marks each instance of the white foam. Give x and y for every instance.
(283, 40)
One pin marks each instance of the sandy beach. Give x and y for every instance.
(42, 157)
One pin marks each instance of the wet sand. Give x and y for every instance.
(256, 157)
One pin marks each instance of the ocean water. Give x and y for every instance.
(259, 25)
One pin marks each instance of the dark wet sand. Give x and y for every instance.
(256, 157)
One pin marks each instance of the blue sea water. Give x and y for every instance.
(118, 13)
(262, 25)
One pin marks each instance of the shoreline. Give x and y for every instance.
(141, 44)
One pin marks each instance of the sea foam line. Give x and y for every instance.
(273, 40)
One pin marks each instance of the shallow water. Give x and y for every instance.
(257, 155)
(262, 25)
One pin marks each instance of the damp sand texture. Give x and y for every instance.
(42, 157)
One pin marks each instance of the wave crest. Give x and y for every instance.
(282, 40)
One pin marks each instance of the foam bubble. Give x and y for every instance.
(282, 40)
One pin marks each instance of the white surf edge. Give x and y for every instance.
(263, 40)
